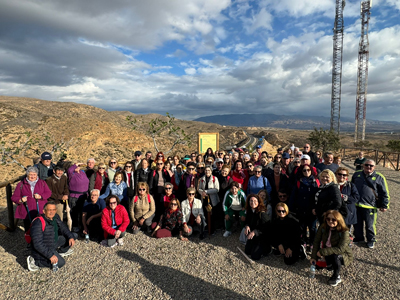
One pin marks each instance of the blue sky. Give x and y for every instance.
(197, 58)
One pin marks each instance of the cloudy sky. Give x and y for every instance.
(197, 58)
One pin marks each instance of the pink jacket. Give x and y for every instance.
(24, 189)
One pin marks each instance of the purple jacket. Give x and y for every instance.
(78, 182)
(24, 189)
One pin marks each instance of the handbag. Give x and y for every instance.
(208, 206)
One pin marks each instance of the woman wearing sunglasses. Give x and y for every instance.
(160, 177)
(334, 235)
(112, 168)
(129, 178)
(99, 180)
(114, 221)
(328, 196)
(170, 223)
(349, 194)
(159, 156)
(286, 235)
(302, 199)
(142, 209)
(193, 214)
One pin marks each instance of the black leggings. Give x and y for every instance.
(336, 261)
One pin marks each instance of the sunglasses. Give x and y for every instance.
(142, 190)
(174, 204)
(292, 157)
(296, 162)
(102, 168)
(279, 157)
(209, 161)
(190, 169)
(112, 203)
(257, 171)
(306, 170)
(220, 162)
(220, 153)
(250, 166)
(269, 157)
(191, 194)
(299, 155)
(159, 164)
(113, 162)
(168, 188)
(281, 211)
(282, 196)
(331, 219)
(137, 154)
(128, 166)
(343, 175)
(200, 168)
(368, 165)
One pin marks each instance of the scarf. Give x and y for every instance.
(32, 184)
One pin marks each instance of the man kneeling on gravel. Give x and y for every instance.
(51, 240)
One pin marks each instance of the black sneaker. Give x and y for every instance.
(334, 281)
(303, 254)
(371, 245)
(201, 236)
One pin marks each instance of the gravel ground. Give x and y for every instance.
(146, 268)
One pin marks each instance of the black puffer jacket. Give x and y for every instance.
(328, 197)
(43, 243)
(286, 232)
(142, 176)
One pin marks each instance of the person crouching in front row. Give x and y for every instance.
(193, 215)
(51, 240)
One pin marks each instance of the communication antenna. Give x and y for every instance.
(362, 74)
(337, 66)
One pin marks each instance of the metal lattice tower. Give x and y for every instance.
(337, 66)
(362, 74)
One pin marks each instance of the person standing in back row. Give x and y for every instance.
(374, 195)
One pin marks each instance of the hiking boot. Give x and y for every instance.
(120, 241)
(303, 254)
(334, 280)
(201, 236)
(227, 233)
(31, 264)
(371, 245)
(69, 252)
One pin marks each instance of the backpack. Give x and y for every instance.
(136, 198)
(28, 237)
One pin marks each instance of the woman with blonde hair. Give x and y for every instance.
(328, 197)
(334, 235)
(142, 209)
(99, 180)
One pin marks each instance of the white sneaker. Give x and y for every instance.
(120, 241)
(112, 246)
(227, 233)
(31, 264)
(69, 252)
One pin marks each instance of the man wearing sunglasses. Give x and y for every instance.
(374, 195)
(137, 160)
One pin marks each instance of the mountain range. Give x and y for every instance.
(296, 122)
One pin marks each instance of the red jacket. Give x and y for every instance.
(121, 219)
(24, 189)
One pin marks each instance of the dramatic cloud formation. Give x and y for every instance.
(196, 58)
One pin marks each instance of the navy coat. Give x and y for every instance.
(350, 190)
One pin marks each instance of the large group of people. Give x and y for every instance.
(288, 203)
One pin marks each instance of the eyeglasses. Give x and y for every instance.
(368, 165)
(299, 155)
(128, 166)
(174, 204)
(102, 168)
(112, 203)
(191, 194)
(331, 219)
(168, 188)
(142, 190)
(190, 169)
(113, 162)
(343, 175)
(306, 170)
(296, 162)
(159, 164)
(281, 211)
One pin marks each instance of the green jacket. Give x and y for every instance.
(228, 200)
(339, 241)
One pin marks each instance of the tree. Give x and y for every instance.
(362, 144)
(327, 140)
(394, 145)
(158, 127)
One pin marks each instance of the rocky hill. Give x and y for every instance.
(31, 126)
